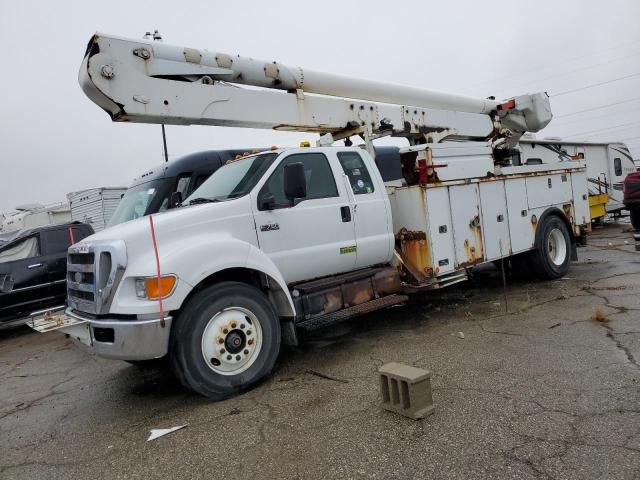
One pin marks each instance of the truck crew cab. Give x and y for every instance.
(33, 268)
(294, 239)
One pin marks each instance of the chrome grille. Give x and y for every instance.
(93, 273)
(80, 280)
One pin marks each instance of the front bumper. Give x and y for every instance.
(124, 339)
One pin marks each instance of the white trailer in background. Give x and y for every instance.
(608, 163)
(35, 215)
(95, 206)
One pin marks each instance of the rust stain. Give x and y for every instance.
(332, 301)
(358, 292)
(415, 250)
(474, 249)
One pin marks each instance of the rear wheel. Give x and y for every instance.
(635, 218)
(225, 340)
(553, 249)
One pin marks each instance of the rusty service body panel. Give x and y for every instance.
(445, 227)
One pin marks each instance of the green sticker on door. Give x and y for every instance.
(349, 249)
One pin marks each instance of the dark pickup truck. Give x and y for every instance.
(33, 268)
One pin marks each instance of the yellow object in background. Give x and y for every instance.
(597, 204)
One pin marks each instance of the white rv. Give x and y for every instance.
(607, 163)
(35, 215)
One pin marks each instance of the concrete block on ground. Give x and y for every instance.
(406, 390)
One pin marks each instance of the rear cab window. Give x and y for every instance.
(56, 241)
(355, 168)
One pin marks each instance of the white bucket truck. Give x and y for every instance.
(293, 239)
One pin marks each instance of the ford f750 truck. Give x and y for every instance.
(294, 239)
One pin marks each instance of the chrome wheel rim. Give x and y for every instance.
(557, 247)
(231, 341)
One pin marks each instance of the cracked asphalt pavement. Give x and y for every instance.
(547, 386)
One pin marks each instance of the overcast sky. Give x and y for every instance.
(53, 140)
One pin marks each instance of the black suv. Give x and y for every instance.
(33, 268)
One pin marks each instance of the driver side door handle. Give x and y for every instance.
(345, 212)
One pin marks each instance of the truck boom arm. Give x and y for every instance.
(151, 82)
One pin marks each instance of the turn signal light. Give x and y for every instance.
(151, 289)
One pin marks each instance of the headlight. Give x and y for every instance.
(151, 289)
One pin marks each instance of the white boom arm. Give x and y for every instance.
(150, 82)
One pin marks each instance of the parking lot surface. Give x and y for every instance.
(544, 384)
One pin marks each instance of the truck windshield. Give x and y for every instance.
(233, 180)
(142, 199)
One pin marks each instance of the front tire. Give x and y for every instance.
(553, 249)
(225, 340)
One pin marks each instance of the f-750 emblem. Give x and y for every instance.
(269, 227)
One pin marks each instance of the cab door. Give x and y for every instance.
(54, 244)
(315, 236)
(24, 273)
(374, 238)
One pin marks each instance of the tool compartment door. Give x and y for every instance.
(467, 224)
(495, 221)
(547, 190)
(580, 198)
(440, 229)
(520, 226)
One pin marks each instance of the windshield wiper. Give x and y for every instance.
(198, 200)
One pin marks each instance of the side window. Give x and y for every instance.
(27, 248)
(164, 206)
(320, 180)
(617, 166)
(200, 179)
(56, 241)
(355, 169)
(182, 185)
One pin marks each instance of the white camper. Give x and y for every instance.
(607, 163)
(95, 206)
(35, 215)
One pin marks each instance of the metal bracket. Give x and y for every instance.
(143, 53)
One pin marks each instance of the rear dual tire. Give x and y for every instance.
(225, 340)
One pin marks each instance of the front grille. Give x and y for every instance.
(93, 274)
(81, 286)
(80, 277)
(79, 294)
(82, 258)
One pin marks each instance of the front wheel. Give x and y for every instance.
(225, 340)
(635, 218)
(551, 258)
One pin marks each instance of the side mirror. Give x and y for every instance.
(295, 183)
(175, 199)
(266, 201)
